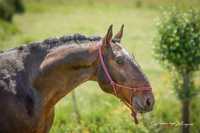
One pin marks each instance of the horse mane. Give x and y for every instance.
(21, 58)
(56, 41)
(64, 40)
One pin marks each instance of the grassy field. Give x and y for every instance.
(100, 112)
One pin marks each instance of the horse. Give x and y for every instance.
(34, 77)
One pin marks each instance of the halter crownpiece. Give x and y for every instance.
(115, 87)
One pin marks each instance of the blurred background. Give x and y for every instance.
(26, 21)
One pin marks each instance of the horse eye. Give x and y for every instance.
(119, 61)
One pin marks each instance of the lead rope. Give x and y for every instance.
(133, 112)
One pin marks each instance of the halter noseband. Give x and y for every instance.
(115, 87)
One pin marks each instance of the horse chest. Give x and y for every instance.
(45, 122)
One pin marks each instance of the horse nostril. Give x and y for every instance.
(148, 102)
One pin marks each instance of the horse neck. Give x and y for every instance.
(65, 68)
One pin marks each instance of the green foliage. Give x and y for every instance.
(19, 6)
(178, 48)
(195, 115)
(7, 30)
(6, 11)
(178, 44)
(9, 7)
(178, 83)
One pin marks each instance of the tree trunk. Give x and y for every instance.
(186, 116)
(75, 106)
(186, 104)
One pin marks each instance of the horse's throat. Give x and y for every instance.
(55, 85)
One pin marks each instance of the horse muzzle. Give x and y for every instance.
(143, 103)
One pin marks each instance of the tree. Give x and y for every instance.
(178, 49)
(9, 7)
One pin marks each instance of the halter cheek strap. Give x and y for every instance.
(115, 86)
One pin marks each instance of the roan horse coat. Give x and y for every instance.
(20, 103)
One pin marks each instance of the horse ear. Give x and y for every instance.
(119, 35)
(108, 37)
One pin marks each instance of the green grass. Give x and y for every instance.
(100, 112)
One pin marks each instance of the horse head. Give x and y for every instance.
(119, 74)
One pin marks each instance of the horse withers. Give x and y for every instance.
(33, 78)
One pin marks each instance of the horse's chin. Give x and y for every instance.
(139, 107)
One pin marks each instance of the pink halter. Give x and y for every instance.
(115, 86)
